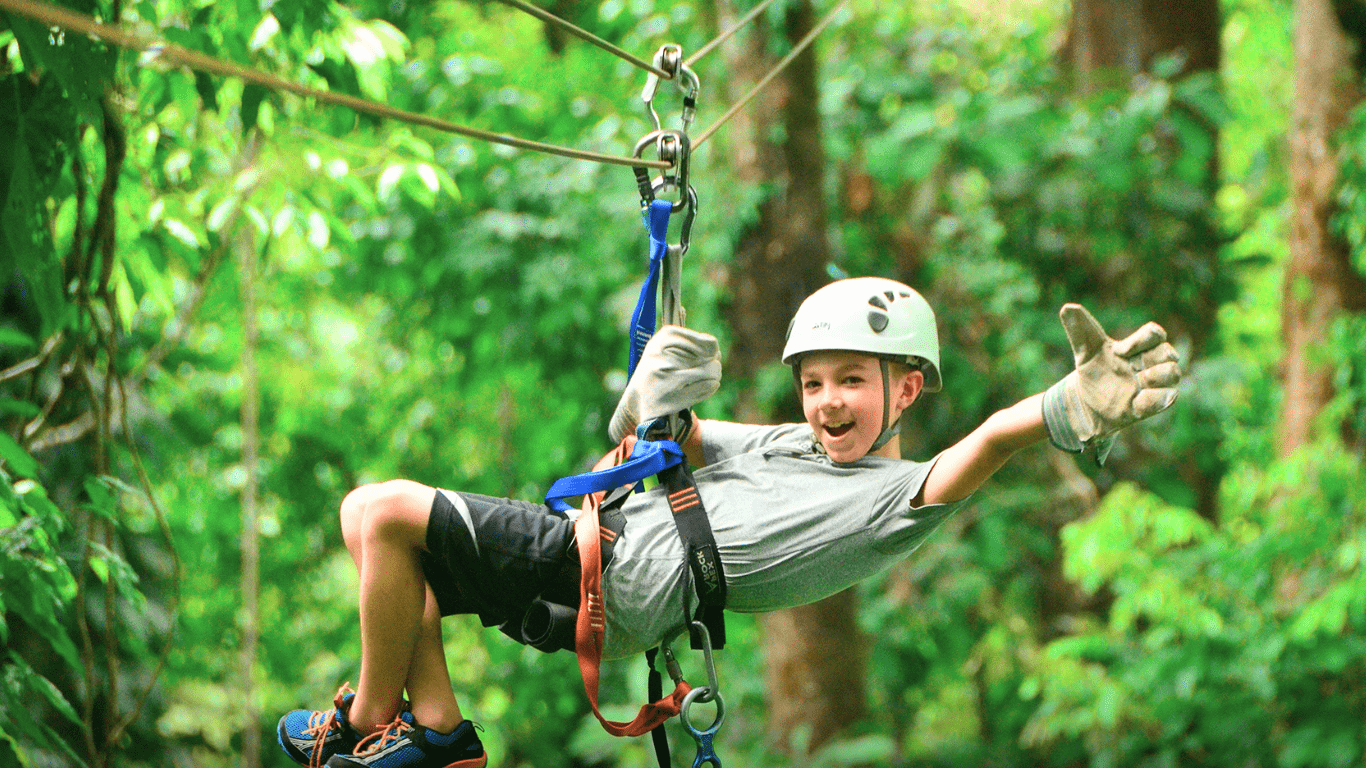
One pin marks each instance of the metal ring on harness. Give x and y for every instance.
(703, 694)
(706, 752)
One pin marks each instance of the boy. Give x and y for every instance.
(799, 511)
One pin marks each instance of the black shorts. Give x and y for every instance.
(500, 558)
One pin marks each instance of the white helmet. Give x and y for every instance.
(868, 314)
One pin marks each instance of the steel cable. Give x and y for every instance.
(796, 51)
(155, 49)
(584, 34)
(724, 36)
(158, 50)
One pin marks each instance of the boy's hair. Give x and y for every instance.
(912, 363)
(899, 366)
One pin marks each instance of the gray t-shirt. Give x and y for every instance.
(791, 525)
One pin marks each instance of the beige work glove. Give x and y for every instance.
(678, 369)
(1116, 383)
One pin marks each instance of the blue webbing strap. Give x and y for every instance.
(643, 320)
(648, 457)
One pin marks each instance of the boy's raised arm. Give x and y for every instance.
(678, 369)
(1115, 384)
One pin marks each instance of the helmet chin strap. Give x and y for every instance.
(887, 434)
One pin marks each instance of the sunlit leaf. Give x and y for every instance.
(18, 460)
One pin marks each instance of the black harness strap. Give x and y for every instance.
(655, 691)
(699, 545)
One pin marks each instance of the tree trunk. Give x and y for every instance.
(251, 560)
(1319, 281)
(1126, 37)
(1112, 41)
(814, 654)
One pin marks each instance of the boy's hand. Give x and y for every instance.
(1116, 383)
(678, 369)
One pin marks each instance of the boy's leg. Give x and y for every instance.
(385, 528)
(430, 694)
(429, 681)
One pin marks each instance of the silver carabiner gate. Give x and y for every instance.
(706, 751)
(691, 86)
(670, 59)
(667, 58)
(711, 692)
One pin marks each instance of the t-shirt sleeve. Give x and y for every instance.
(724, 439)
(904, 527)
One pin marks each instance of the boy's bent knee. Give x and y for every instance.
(395, 510)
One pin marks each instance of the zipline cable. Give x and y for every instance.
(721, 38)
(584, 34)
(156, 49)
(777, 69)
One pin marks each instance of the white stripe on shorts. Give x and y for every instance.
(464, 511)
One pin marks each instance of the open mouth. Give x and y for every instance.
(839, 430)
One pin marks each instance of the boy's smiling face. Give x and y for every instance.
(842, 398)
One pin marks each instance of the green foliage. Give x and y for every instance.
(37, 588)
(1216, 632)
(454, 312)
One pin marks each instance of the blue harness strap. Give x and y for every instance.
(663, 458)
(643, 319)
(648, 457)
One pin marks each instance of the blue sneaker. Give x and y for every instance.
(311, 737)
(405, 744)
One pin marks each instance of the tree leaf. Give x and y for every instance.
(17, 458)
(252, 96)
(208, 92)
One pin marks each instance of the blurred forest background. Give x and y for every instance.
(224, 306)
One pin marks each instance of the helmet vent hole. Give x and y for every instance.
(877, 321)
(904, 295)
(877, 301)
(890, 296)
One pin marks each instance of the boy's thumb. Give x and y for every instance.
(1084, 332)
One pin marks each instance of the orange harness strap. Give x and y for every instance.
(588, 634)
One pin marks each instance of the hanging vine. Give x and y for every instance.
(62, 522)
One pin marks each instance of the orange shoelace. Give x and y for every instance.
(381, 739)
(321, 723)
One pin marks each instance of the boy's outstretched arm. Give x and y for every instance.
(963, 468)
(1115, 384)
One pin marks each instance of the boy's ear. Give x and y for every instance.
(911, 385)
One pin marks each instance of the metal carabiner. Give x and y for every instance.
(667, 58)
(672, 147)
(685, 231)
(642, 173)
(690, 85)
(701, 630)
(671, 661)
(706, 750)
